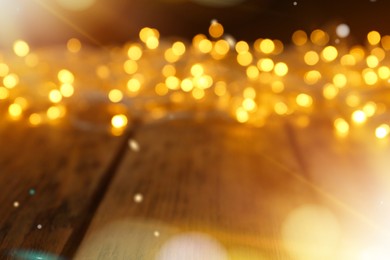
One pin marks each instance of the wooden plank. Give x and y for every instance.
(351, 174)
(49, 178)
(234, 183)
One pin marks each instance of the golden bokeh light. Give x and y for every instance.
(74, 45)
(21, 48)
(119, 121)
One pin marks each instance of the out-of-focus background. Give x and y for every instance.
(47, 22)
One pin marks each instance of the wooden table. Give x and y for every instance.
(221, 189)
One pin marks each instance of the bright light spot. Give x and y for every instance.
(265, 64)
(245, 58)
(312, 77)
(152, 43)
(4, 93)
(277, 86)
(359, 117)
(134, 52)
(21, 48)
(39, 226)
(384, 72)
(115, 95)
(252, 72)
(304, 100)
(222, 47)
(249, 104)
(35, 119)
(134, 146)
(16, 204)
(281, 108)
(311, 232)
(370, 109)
(192, 246)
(4, 69)
(54, 112)
(11, 80)
(330, 91)
(311, 58)
(55, 96)
(242, 47)
(340, 80)
(198, 93)
(15, 110)
(119, 121)
(319, 37)
(370, 77)
(133, 85)
(74, 45)
(329, 53)
(65, 76)
(130, 67)
(249, 93)
(342, 30)
(67, 90)
(267, 46)
(187, 85)
(172, 82)
(138, 198)
(341, 126)
(178, 48)
(76, 5)
(205, 46)
(382, 131)
(242, 115)
(372, 61)
(197, 70)
(281, 69)
(373, 37)
(220, 88)
(156, 233)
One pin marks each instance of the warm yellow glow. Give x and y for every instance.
(11, 80)
(178, 48)
(170, 56)
(281, 69)
(249, 104)
(152, 43)
(103, 72)
(382, 131)
(186, 85)
(359, 117)
(115, 95)
(373, 37)
(161, 89)
(252, 72)
(35, 119)
(358, 53)
(312, 77)
(340, 80)
(222, 47)
(205, 46)
(279, 47)
(21, 48)
(242, 115)
(119, 121)
(220, 88)
(130, 67)
(265, 64)
(203, 82)
(304, 100)
(172, 82)
(379, 53)
(133, 85)
(4, 69)
(311, 58)
(319, 37)
(198, 93)
(15, 110)
(329, 53)
(370, 109)
(267, 46)
(386, 42)
(281, 108)
(197, 70)
(67, 90)
(53, 112)
(348, 60)
(55, 96)
(242, 47)
(134, 52)
(277, 86)
(73, 45)
(341, 126)
(216, 29)
(168, 70)
(384, 72)
(65, 76)
(330, 91)
(249, 93)
(372, 61)
(4, 93)
(244, 59)
(370, 77)
(147, 33)
(299, 38)
(22, 102)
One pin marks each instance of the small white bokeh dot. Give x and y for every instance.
(134, 146)
(16, 204)
(138, 198)
(156, 233)
(342, 30)
(39, 226)
(295, 3)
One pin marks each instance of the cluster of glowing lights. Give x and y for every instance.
(250, 82)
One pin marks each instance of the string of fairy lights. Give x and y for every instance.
(251, 83)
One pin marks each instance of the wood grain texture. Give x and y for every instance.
(63, 166)
(234, 183)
